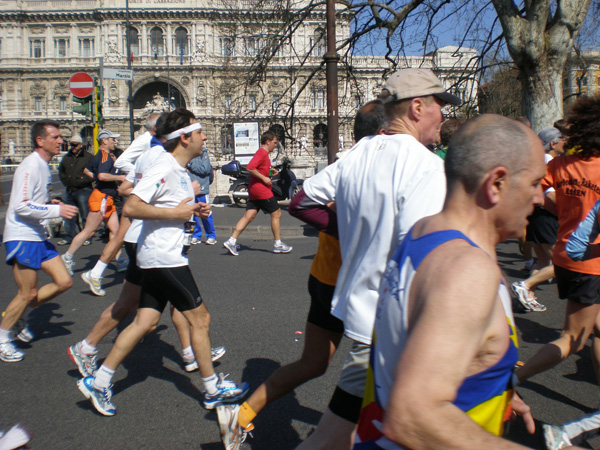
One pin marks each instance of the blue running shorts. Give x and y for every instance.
(30, 253)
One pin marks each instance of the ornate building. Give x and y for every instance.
(205, 55)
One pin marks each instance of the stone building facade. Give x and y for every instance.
(199, 54)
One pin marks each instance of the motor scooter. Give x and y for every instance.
(285, 184)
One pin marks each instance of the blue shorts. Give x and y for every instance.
(30, 253)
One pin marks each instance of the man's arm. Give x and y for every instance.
(126, 162)
(579, 246)
(103, 176)
(453, 311)
(136, 208)
(265, 180)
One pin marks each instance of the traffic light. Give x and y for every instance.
(84, 107)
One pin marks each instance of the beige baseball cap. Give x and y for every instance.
(76, 139)
(410, 83)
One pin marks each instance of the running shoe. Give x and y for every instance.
(16, 438)
(227, 392)
(10, 353)
(95, 284)
(99, 397)
(530, 303)
(190, 363)
(233, 248)
(282, 248)
(86, 242)
(86, 363)
(25, 335)
(232, 434)
(555, 437)
(122, 264)
(63, 242)
(211, 241)
(195, 241)
(69, 263)
(21, 330)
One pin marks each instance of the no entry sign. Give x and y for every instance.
(81, 84)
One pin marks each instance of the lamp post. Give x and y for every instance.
(331, 60)
(129, 82)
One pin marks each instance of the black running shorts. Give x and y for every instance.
(169, 284)
(577, 287)
(319, 314)
(134, 273)
(268, 206)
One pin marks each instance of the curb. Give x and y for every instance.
(261, 232)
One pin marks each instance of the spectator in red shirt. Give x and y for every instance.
(260, 196)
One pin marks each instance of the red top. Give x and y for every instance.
(257, 189)
(576, 183)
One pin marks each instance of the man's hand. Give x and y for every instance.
(267, 181)
(196, 187)
(68, 211)
(204, 211)
(184, 211)
(274, 172)
(522, 409)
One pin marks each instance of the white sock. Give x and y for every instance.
(87, 348)
(232, 240)
(98, 269)
(5, 335)
(278, 242)
(69, 255)
(188, 352)
(103, 377)
(210, 384)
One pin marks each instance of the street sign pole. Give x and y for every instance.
(95, 116)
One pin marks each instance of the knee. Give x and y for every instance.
(200, 319)
(315, 367)
(64, 283)
(29, 295)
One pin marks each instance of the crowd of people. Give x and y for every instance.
(401, 227)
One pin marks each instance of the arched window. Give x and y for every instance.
(157, 43)
(318, 42)
(181, 41)
(134, 41)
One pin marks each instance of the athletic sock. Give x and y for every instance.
(246, 415)
(188, 352)
(98, 269)
(232, 240)
(278, 242)
(87, 348)
(210, 384)
(5, 335)
(103, 377)
(69, 255)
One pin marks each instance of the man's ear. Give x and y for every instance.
(494, 184)
(417, 105)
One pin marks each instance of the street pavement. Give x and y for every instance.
(258, 303)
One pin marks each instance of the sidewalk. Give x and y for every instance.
(226, 216)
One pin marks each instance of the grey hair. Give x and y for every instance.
(151, 121)
(483, 143)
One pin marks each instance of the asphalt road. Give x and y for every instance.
(258, 301)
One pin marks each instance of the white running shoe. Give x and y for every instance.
(95, 284)
(282, 248)
(233, 248)
(530, 303)
(190, 363)
(69, 263)
(10, 353)
(232, 434)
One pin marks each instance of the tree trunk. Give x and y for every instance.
(542, 99)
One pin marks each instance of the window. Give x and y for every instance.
(61, 48)
(181, 41)
(251, 46)
(38, 104)
(252, 102)
(317, 42)
(317, 98)
(227, 47)
(86, 47)
(157, 43)
(37, 48)
(62, 103)
(227, 101)
(275, 101)
(357, 101)
(134, 42)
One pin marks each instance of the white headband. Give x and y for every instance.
(182, 131)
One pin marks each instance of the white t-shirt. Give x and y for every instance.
(126, 162)
(27, 208)
(381, 187)
(164, 185)
(143, 163)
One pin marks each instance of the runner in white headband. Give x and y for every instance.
(182, 131)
